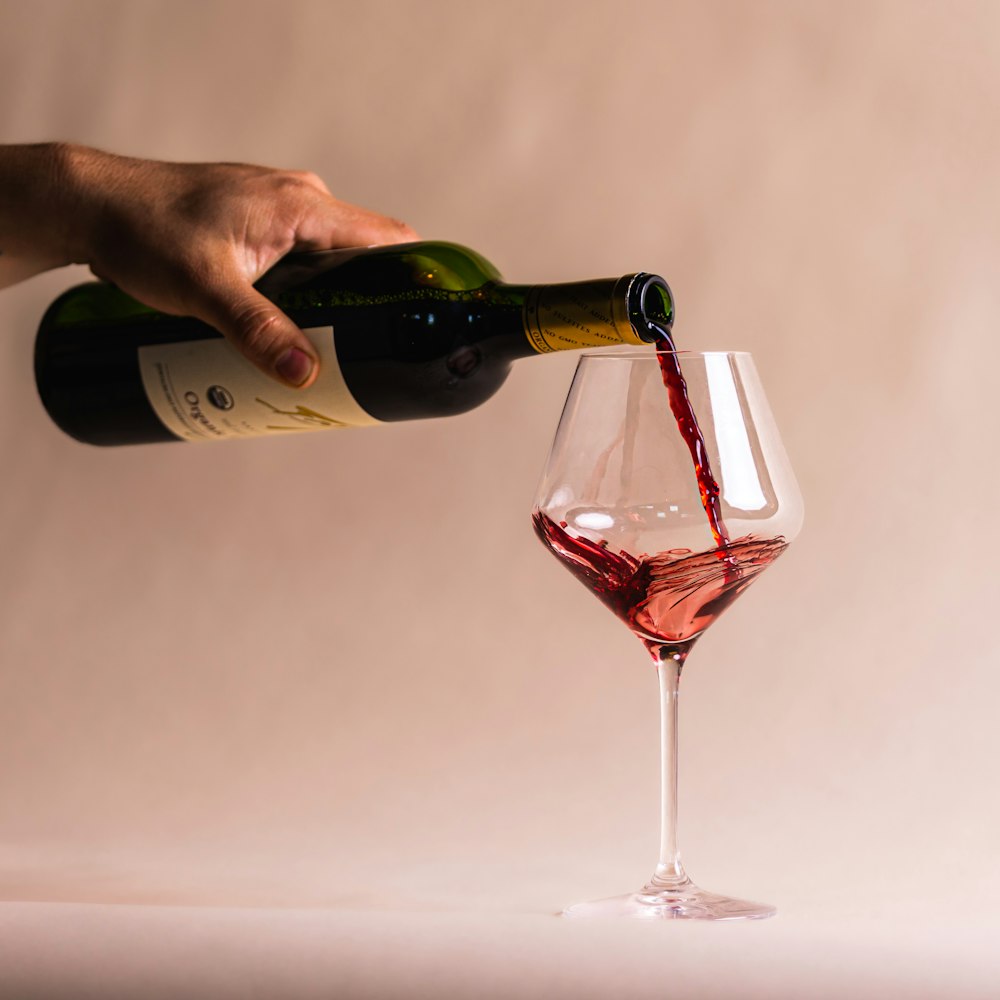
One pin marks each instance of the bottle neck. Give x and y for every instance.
(582, 315)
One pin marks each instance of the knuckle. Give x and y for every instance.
(311, 180)
(295, 182)
(402, 231)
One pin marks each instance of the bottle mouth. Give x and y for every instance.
(650, 307)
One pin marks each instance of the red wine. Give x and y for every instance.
(687, 424)
(671, 597)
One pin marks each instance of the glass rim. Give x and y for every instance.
(649, 353)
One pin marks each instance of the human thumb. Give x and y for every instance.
(261, 331)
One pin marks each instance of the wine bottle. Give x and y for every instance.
(402, 332)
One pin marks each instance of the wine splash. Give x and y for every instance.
(669, 598)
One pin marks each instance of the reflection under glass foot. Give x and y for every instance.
(684, 901)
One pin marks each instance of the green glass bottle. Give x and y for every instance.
(403, 332)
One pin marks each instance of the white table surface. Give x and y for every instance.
(83, 951)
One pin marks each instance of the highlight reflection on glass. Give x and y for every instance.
(736, 468)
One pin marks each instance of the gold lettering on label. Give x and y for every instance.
(301, 415)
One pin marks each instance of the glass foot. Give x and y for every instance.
(682, 902)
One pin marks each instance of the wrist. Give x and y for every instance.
(81, 176)
(45, 208)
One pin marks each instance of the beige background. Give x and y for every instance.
(335, 683)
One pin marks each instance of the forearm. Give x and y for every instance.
(39, 212)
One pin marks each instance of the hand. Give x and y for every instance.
(191, 239)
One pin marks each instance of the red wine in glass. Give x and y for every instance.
(667, 599)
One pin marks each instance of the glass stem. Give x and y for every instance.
(669, 870)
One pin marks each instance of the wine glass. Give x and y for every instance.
(667, 492)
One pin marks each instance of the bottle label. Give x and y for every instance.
(571, 317)
(205, 390)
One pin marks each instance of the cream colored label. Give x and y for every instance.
(579, 315)
(205, 390)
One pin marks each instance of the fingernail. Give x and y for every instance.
(294, 366)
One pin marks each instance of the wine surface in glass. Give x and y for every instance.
(669, 598)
